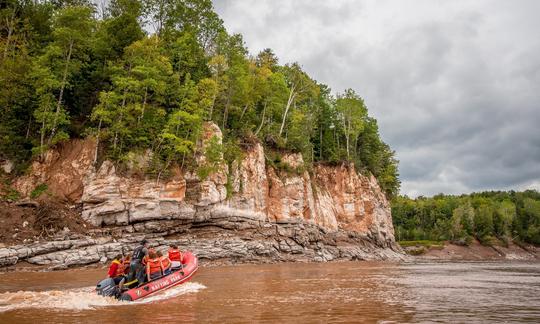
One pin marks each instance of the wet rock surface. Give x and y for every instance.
(241, 240)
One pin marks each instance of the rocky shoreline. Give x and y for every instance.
(231, 242)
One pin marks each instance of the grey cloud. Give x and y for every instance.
(455, 85)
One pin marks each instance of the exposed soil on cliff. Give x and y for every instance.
(38, 220)
(62, 170)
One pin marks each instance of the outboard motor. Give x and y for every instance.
(107, 288)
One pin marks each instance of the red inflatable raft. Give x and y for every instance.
(178, 277)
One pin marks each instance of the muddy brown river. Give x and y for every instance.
(350, 292)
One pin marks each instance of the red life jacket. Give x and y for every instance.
(120, 271)
(153, 266)
(165, 263)
(175, 255)
(114, 269)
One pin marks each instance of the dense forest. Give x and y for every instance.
(143, 76)
(490, 217)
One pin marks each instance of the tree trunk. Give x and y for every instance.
(62, 87)
(321, 143)
(28, 127)
(226, 110)
(336, 136)
(42, 139)
(10, 27)
(347, 139)
(262, 120)
(347, 143)
(292, 94)
(244, 111)
(160, 19)
(143, 105)
(115, 141)
(161, 171)
(355, 146)
(212, 107)
(97, 141)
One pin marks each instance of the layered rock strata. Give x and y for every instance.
(250, 212)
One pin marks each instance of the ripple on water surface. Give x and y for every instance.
(350, 292)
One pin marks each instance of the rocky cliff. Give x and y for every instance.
(250, 212)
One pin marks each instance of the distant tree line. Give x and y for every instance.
(70, 69)
(487, 216)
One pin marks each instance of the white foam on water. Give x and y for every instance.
(190, 287)
(82, 298)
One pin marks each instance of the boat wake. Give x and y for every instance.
(82, 298)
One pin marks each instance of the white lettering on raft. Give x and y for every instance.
(165, 282)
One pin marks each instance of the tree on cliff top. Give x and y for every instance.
(62, 58)
(351, 113)
(144, 76)
(134, 108)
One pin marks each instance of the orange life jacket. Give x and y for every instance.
(125, 266)
(165, 263)
(153, 265)
(175, 255)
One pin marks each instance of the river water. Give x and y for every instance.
(349, 292)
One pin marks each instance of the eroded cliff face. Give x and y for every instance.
(63, 170)
(269, 214)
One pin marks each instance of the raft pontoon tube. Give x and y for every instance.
(189, 267)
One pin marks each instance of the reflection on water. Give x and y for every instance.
(299, 293)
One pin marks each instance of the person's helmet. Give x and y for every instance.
(144, 241)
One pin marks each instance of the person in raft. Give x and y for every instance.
(175, 256)
(153, 266)
(125, 264)
(165, 263)
(116, 269)
(136, 267)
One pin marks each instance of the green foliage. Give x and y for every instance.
(426, 243)
(132, 114)
(491, 217)
(7, 193)
(119, 30)
(232, 152)
(504, 216)
(233, 156)
(214, 151)
(351, 113)
(55, 68)
(38, 191)
(531, 216)
(274, 159)
(187, 57)
(483, 222)
(461, 223)
(213, 158)
(147, 74)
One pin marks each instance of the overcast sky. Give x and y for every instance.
(455, 85)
